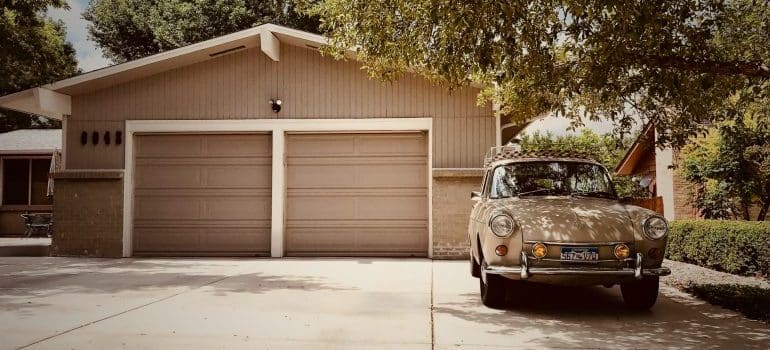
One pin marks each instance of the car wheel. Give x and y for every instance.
(642, 294)
(493, 289)
(475, 268)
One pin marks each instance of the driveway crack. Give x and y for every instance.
(432, 320)
(125, 312)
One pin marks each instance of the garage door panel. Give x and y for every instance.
(215, 239)
(400, 145)
(357, 208)
(357, 194)
(168, 176)
(239, 176)
(230, 208)
(173, 208)
(191, 207)
(169, 147)
(238, 146)
(202, 194)
(202, 176)
(358, 241)
(358, 175)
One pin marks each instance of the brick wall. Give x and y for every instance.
(451, 210)
(88, 216)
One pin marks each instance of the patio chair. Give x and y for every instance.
(37, 222)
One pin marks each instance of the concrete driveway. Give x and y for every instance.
(63, 303)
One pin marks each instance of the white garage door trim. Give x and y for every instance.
(278, 128)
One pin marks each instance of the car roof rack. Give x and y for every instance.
(511, 152)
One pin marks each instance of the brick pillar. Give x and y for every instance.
(451, 210)
(88, 213)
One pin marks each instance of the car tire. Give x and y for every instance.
(640, 295)
(493, 290)
(475, 268)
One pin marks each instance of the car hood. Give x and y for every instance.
(571, 219)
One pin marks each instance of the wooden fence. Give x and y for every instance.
(655, 203)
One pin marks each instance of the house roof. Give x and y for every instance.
(645, 142)
(30, 141)
(53, 100)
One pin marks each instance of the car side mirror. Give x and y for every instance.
(476, 196)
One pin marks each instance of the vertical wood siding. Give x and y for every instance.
(239, 85)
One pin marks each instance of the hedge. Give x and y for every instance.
(753, 302)
(739, 247)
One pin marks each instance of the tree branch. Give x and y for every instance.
(749, 69)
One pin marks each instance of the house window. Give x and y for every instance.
(25, 181)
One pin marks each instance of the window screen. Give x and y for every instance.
(15, 181)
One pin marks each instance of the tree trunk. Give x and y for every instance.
(763, 211)
(745, 210)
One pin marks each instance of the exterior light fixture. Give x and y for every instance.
(275, 104)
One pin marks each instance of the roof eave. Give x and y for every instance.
(39, 101)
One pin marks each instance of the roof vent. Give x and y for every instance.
(230, 50)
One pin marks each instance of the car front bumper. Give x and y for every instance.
(525, 271)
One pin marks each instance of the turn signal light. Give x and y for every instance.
(501, 250)
(622, 251)
(539, 250)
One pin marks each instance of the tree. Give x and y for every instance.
(33, 52)
(676, 62)
(731, 169)
(131, 29)
(603, 148)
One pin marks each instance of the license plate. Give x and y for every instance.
(580, 253)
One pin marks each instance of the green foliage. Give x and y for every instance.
(131, 29)
(753, 302)
(603, 148)
(675, 62)
(730, 167)
(737, 247)
(33, 52)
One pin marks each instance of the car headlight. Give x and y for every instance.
(502, 225)
(655, 227)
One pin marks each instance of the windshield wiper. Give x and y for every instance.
(599, 194)
(534, 191)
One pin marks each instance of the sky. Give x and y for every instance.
(90, 58)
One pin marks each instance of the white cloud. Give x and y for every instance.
(88, 54)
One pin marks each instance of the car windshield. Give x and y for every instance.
(551, 178)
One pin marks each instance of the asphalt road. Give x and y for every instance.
(64, 303)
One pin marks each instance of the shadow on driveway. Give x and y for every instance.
(539, 315)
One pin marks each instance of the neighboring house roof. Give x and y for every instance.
(644, 144)
(30, 141)
(53, 100)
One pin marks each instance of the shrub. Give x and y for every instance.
(739, 247)
(753, 302)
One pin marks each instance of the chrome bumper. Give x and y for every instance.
(524, 271)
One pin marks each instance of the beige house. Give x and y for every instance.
(25, 160)
(671, 195)
(190, 152)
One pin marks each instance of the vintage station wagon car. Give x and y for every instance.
(555, 218)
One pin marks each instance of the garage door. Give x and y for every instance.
(357, 194)
(202, 194)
